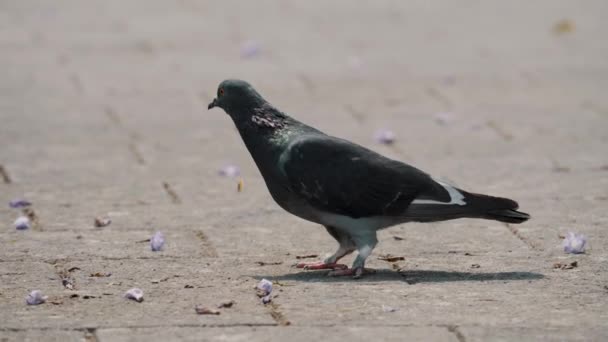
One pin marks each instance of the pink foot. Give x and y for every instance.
(320, 265)
(354, 272)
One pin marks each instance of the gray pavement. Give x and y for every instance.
(102, 102)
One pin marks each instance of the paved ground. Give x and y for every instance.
(103, 102)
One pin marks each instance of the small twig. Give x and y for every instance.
(4, 175)
(172, 194)
(499, 130)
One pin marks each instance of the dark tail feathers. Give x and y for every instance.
(494, 208)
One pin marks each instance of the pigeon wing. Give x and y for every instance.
(337, 176)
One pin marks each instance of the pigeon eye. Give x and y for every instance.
(220, 92)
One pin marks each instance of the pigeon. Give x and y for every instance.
(350, 190)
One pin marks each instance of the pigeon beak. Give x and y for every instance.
(212, 104)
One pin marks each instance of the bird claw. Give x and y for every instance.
(320, 265)
(356, 273)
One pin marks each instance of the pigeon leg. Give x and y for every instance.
(347, 246)
(365, 245)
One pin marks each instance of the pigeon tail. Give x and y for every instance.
(469, 205)
(494, 208)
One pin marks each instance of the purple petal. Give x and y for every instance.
(384, 136)
(157, 242)
(387, 308)
(135, 294)
(265, 285)
(19, 203)
(35, 298)
(574, 243)
(250, 49)
(444, 118)
(355, 62)
(229, 171)
(22, 223)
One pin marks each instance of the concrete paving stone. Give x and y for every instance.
(314, 333)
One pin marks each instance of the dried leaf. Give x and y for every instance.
(201, 310)
(309, 256)
(565, 266)
(391, 258)
(265, 263)
(563, 26)
(101, 222)
(99, 274)
(227, 304)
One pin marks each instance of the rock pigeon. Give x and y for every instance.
(349, 189)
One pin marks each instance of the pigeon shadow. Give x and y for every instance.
(410, 277)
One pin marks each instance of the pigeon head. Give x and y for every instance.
(236, 97)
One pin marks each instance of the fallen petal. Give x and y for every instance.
(35, 298)
(265, 287)
(19, 203)
(384, 136)
(22, 223)
(229, 171)
(250, 49)
(266, 299)
(444, 118)
(157, 242)
(574, 243)
(308, 256)
(135, 294)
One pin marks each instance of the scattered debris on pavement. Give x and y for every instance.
(101, 222)
(267, 263)
(100, 274)
(19, 203)
(34, 219)
(202, 310)
(565, 265)
(66, 279)
(226, 304)
(390, 258)
(309, 256)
